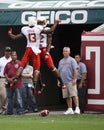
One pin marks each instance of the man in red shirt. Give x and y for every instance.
(13, 87)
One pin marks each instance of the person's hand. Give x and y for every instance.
(10, 31)
(11, 83)
(34, 90)
(10, 80)
(80, 86)
(58, 83)
(73, 82)
(46, 55)
(57, 21)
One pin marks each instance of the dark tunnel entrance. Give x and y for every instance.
(64, 35)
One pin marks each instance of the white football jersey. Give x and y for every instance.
(33, 37)
(43, 39)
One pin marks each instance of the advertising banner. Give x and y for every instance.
(69, 12)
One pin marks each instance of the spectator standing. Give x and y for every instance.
(3, 96)
(27, 92)
(81, 82)
(13, 87)
(68, 71)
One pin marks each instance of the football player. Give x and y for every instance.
(32, 34)
(45, 46)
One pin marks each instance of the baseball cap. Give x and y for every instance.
(7, 48)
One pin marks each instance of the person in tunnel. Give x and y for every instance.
(81, 82)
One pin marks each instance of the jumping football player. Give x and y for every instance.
(45, 46)
(32, 34)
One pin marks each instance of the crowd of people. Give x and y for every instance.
(23, 80)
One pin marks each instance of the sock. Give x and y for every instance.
(70, 108)
(77, 108)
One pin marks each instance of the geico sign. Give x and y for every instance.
(56, 4)
(66, 17)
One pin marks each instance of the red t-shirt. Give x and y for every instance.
(11, 69)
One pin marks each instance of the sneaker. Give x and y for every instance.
(19, 113)
(35, 110)
(77, 111)
(8, 113)
(69, 111)
(26, 111)
(1, 111)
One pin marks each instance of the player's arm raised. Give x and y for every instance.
(52, 28)
(49, 42)
(14, 37)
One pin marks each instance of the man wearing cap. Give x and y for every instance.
(3, 96)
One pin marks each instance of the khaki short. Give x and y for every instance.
(2, 82)
(70, 91)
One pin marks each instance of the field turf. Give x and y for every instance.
(52, 122)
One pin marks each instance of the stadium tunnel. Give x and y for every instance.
(64, 35)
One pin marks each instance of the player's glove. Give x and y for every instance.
(47, 53)
(46, 56)
(10, 31)
(34, 90)
(57, 21)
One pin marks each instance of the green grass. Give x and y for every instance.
(52, 122)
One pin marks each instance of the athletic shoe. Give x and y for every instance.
(77, 111)
(19, 113)
(35, 110)
(8, 113)
(26, 111)
(1, 111)
(69, 111)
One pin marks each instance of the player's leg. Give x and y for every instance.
(49, 62)
(24, 62)
(41, 85)
(36, 66)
